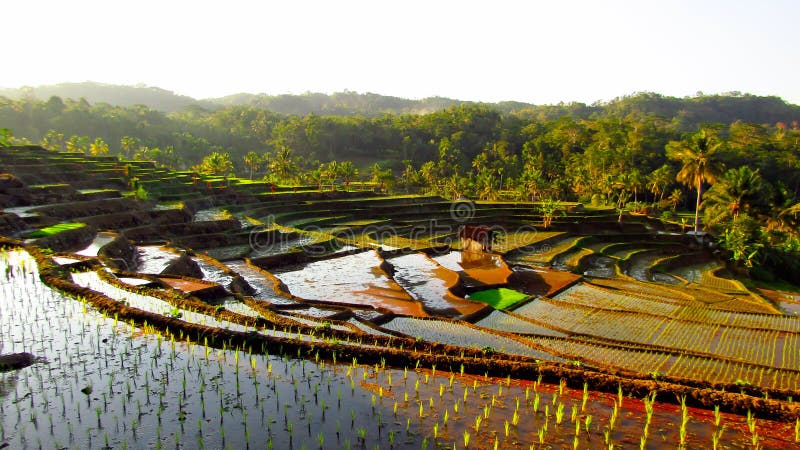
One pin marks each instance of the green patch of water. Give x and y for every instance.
(500, 298)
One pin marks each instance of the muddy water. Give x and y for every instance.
(425, 280)
(218, 213)
(281, 245)
(541, 254)
(229, 252)
(428, 282)
(481, 268)
(99, 241)
(791, 306)
(213, 273)
(640, 262)
(154, 258)
(461, 335)
(694, 272)
(355, 278)
(23, 211)
(600, 266)
(147, 303)
(568, 260)
(665, 278)
(262, 285)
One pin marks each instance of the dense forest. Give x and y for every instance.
(643, 153)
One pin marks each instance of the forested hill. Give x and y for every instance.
(341, 104)
(117, 95)
(686, 112)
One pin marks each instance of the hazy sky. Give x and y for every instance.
(532, 51)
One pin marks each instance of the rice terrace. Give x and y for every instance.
(227, 313)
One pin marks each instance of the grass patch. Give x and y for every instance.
(55, 229)
(500, 298)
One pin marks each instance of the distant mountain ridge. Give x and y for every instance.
(117, 95)
(725, 108)
(345, 103)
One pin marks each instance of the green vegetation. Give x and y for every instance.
(54, 229)
(500, 298)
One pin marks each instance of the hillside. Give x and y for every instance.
(118, 95)
(686, 112)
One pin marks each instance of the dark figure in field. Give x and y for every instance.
(475, 238)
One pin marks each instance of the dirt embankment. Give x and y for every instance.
(10, 223)
(132, 219)
(68, 240)
(74, 210)
(118, 254)
(172, 231)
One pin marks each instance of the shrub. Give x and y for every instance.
(667, 215)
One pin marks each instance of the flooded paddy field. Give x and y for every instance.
(335, 324)
(98, 382)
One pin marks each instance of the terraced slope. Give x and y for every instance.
(354, 265)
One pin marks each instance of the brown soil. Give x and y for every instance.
(484, 269)
(544, 282)
(192, 287)
(393, 298)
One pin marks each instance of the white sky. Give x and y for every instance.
(533, 51)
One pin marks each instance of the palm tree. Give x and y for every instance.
(128, 145)
(283, 164)
(699, 156)
(98, 147)
(252, 161)
(347, 170)
(216, 163)
(675, 197)
(659, 180)
(783, 218)
(739, 190)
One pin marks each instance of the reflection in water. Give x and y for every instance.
(425, 280)
(694, 272)
(600, 267)
(355, 278)
(99, 241)
(458, 261)
(154, 258)
(428, 282)
(213, 273)
(480, 268)
(262, 285)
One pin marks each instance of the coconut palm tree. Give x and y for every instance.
(252, 161)
(659, 180)
(675, 197)
(786, 219)
(283, 164)
(739, 190)
(216, 163)
(699, 155)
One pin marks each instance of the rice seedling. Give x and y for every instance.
(797, 430)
